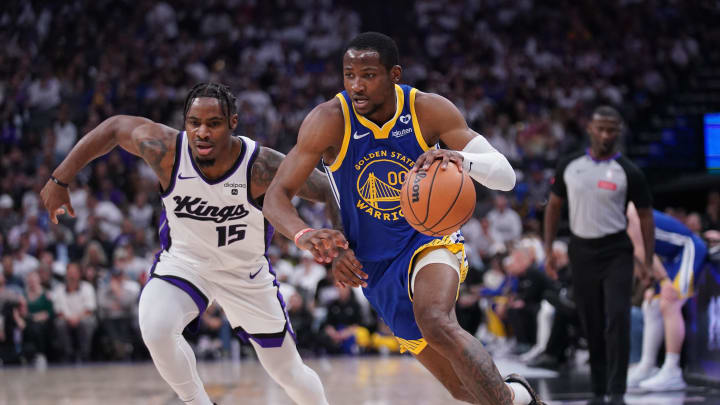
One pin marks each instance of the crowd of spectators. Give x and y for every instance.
(523, 73)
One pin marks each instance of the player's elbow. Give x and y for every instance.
(272, 195)
(502, 177)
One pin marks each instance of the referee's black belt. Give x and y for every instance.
(601, 241)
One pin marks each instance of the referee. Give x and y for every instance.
(598, 184)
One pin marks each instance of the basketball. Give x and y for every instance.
(437, 202)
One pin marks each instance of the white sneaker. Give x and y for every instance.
(665, 380)
(639, 374)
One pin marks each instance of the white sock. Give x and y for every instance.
(522, 396)
(286, 367)
(672, 361)
(653, 333)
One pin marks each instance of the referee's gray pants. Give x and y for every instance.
(602, 272)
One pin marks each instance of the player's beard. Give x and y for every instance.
(205, 162)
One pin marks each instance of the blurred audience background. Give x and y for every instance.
(524, 74)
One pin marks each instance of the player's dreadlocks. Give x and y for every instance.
(213, 90)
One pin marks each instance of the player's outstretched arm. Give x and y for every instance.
(153, 142)
(319, 132)
(440, 120)
(315, 188)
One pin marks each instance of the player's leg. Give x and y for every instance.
(651, 341)
(671, 308)
(285, 366)
(672, 299)
(164, 312)
(256, 310)
(434, 285)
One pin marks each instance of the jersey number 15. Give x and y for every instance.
(230, 234)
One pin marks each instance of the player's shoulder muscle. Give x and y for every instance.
(323, 127)
(156, 144)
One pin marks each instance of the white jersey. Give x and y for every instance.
(212, 224)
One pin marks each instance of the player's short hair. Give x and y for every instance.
(213, 90)
(606, 111)
(383, 44)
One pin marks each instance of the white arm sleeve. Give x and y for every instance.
(487, 166)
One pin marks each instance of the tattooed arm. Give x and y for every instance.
(154, 143)
(316, 187)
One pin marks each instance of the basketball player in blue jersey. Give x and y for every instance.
(679, 257)
(214, 237)
(369, 137)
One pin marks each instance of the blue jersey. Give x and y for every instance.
(367, 176)
(682, 252)
(671, 236)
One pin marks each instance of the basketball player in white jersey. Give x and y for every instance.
(213, 235)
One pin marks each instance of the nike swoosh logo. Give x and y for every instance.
(185, 178)
(256, 273)
(360, 136)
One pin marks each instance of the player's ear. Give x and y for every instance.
(234, 122)
(395, 74)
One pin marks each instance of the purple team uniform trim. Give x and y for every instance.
(200, 299)
(176, 166)
(254, 155)
(197, 296)
(224, 176)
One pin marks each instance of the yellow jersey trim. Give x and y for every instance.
(384, 132)
(413, 346)
(416, 124)
(683, 294)
(346, 137)
(448, 243)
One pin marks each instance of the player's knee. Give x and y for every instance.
(157, 329)
(287, 373)
(668, 305)
(436, 325)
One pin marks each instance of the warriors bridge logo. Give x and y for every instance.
(380, 177)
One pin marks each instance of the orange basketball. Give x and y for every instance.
(437, 202)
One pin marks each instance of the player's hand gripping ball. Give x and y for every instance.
(437, 201)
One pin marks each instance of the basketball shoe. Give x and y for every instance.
(667, 379)
(639, 374)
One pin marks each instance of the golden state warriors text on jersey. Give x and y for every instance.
(369, 172)
(380, 176)
(367, 177)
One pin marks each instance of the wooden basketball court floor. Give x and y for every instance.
(395, 380)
